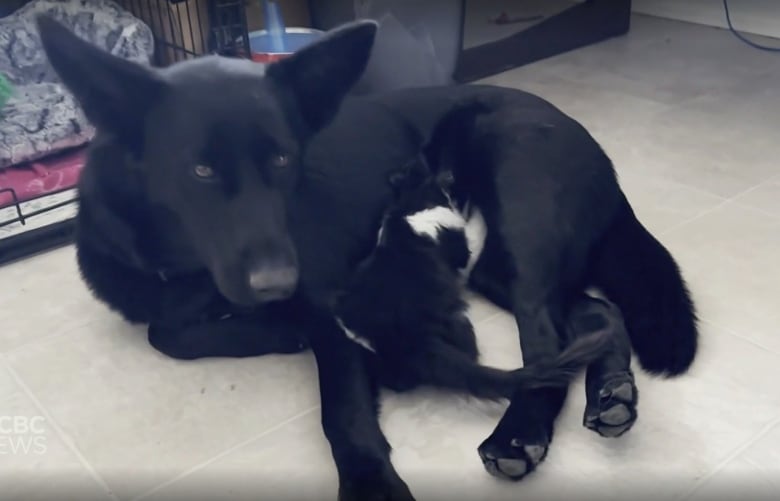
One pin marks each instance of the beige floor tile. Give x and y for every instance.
(140, 418)
(267, 468)
(35, 463)
(765, 197)
(753, 474)
(661, 204)
(44, 296)
(730, 257)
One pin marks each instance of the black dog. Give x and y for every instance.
(404, 304)
(213, 179)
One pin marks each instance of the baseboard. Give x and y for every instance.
(760, 17)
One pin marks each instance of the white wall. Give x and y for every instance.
(750, 16)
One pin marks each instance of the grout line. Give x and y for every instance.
(736, 334)
(700, 191)
(58, 429)
(47, 337)
(627, 172)
(224, 453)
(766, 182)
(753, 188)
(757, 209)
(720, 466)
(727, 201)
(695, 218)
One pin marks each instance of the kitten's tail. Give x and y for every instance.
(450, 368)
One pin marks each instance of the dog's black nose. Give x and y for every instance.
(273, 283)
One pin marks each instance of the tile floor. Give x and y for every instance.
(691, 119)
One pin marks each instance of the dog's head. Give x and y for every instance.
(218, 142)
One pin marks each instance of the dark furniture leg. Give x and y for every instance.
(577, 26)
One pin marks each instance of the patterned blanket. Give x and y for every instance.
(41, 117)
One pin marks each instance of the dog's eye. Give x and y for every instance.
(280, 160)
(203, 172)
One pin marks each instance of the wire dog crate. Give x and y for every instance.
(183, 29)
(189, 28)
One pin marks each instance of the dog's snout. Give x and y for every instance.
(273, 283)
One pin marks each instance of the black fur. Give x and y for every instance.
(656, 305)
(405, 303)
(666, 339)
(213, 192)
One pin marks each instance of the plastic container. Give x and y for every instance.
(261, 44)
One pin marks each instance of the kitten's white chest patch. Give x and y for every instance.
(476, 233)
(430, 222)
(352, 336)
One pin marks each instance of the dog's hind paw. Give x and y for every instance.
(612, 405)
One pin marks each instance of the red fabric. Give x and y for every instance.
(42, 177)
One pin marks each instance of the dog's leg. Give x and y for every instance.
(525, 266)
(521, 439)
(611, 392)
(262, 332)
(348, 393)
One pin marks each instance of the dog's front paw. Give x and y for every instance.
(522, 438)
(513, 458)
(379, 486)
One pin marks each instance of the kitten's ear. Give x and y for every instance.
(411, 176)
(397, 179)
(115, 94)
(418, 171)
(319, 76)
(445, 179)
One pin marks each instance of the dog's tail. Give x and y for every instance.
(451, 368)
(636, 272)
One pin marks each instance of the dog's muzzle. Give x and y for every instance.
(273, 283)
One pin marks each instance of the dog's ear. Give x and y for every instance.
(115, 94)
(320, 75)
